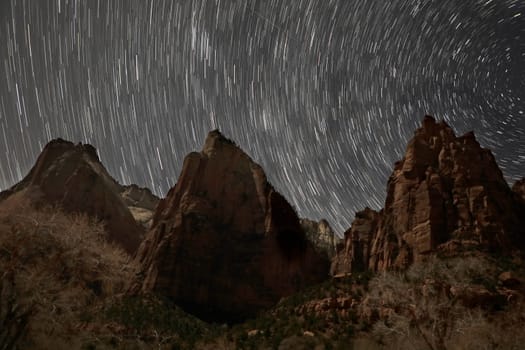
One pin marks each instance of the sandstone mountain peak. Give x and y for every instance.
(71, 176)
(60, 148)
(79, 147)
(519, 188)
(217, 142)
(446, 190)
(224, 243)
(216, 133)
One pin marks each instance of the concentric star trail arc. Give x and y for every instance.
(324, 94)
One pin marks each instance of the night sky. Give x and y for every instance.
(323, 94)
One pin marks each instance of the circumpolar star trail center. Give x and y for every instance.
(323, 94)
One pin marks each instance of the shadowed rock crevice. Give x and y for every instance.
(292, 244)
(71, 176)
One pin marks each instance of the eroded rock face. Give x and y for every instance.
(519, 188)
(355, 253)
(140, 202)
(446, 188)
(140, 197)
(224, 244)
(72, 177)
(321, 235)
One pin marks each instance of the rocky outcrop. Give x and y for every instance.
(141, 197)
(321, 235)
(72, 177)
(445, 189)
(141, 203)
(224, 243)
(519, 188)
(355, 253)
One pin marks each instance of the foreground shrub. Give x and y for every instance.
(444, 304)
(54, 267)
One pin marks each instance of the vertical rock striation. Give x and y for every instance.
(321, 235)
(447, 190)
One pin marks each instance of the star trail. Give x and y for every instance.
(324, 94)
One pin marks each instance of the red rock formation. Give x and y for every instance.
(72, 177)
(519, 188)
(446, 188)
(321, 235)
(141, 203)
(140, 197)
(224, 244)
(355, 254)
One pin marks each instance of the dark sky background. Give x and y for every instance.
(323, 94)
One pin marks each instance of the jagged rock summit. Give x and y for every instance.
(224, 243)
(519, 188)
(446, 193)
(72, 177)
(141, 203)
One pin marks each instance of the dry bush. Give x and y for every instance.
(417, 310)
(13, 316)
(61, 265)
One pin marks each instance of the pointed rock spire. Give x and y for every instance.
(224, 243)
(72, 177)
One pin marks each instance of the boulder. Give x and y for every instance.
(509, 279)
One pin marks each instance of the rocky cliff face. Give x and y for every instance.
(224, 244)
(72, 177)
(321, 235)
(519, 188)
(140, 202)
(355, 253)
(446, 189)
